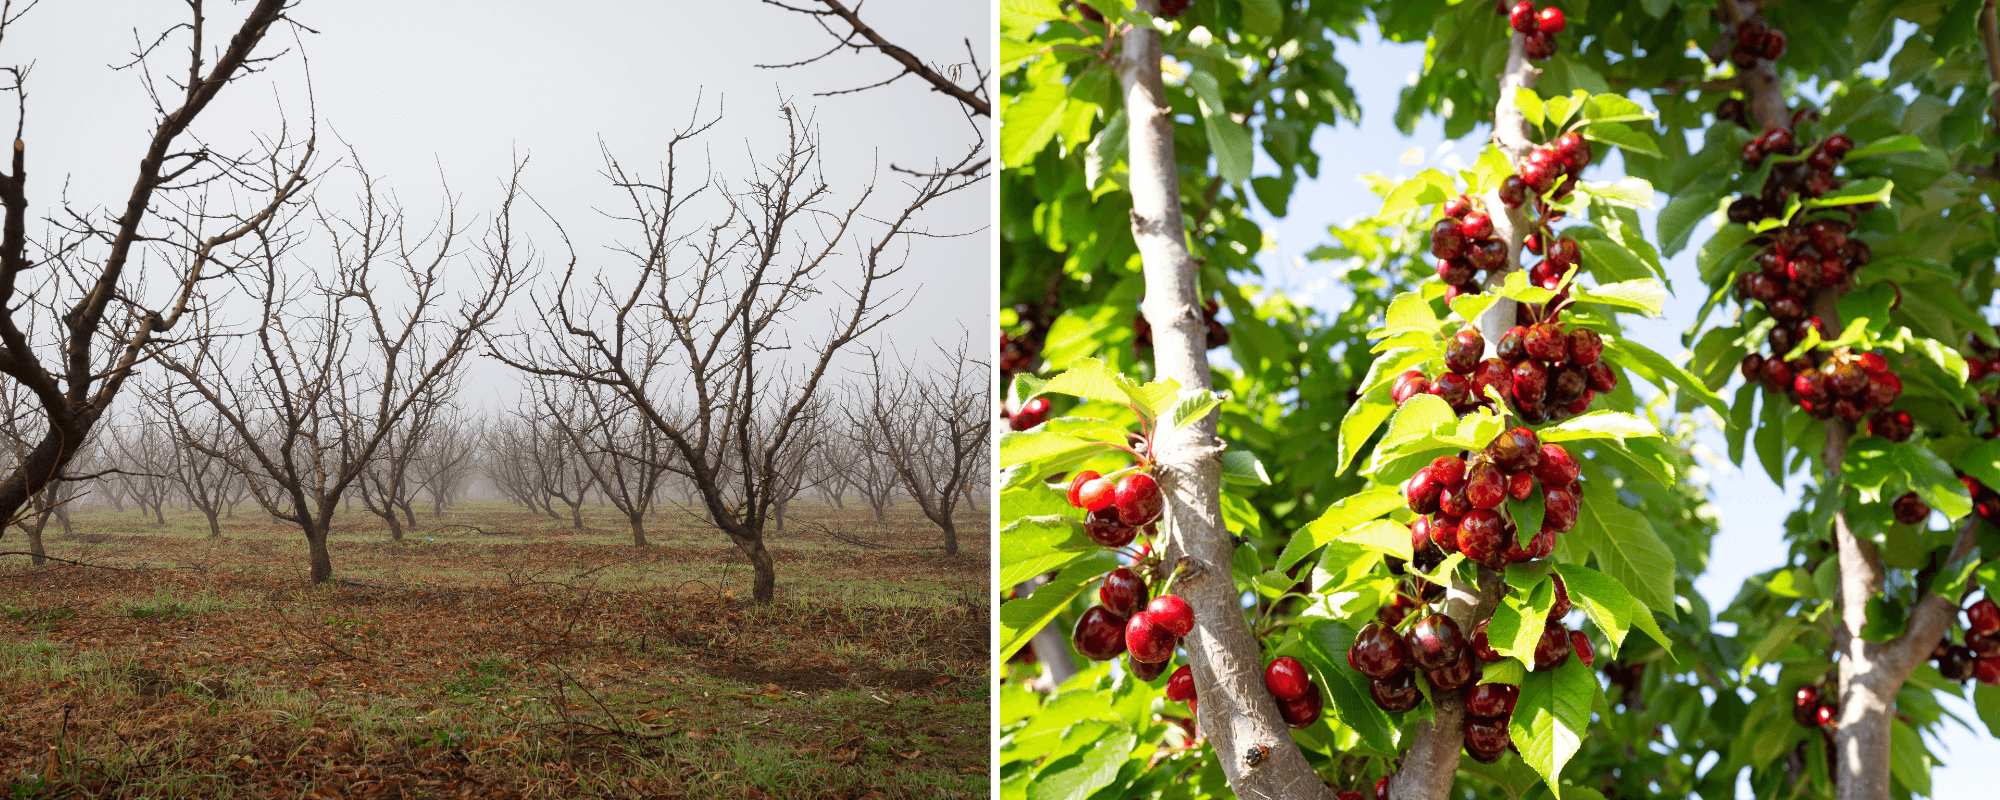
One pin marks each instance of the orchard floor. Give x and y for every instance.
(543, 662)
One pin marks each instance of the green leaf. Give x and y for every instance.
(1613, 108)
(1740, 414)
(1550, 718)
(1020, 619)
(1033, 545)
(1096, 751)
(1385, 536)
(1644, 294)
(1508, 671)
(1021, 447)
(1982, 461)
(1530, 105)
(1930, 477)
(1686, 211)
(1558, 109)
(1242, 466)
(1885, 621)
(1191, 406)
(1986, 699)
(1026, 15)
(1609, 604)
(1903, 143)
(1657, 369)
(1263, 17)
(1781, 634)
(1362, 420)
(1030, 121)
(1622, 135)
(1228, 140)
(1628, 192)
(1866, 190)
(1410, 309)
(1909, 762)
(1626, 547)
(1429, 186)
(1598, 425)
(1420, 417)
(1344, 515)
(1527, 515)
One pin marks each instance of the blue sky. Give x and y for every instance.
(1751, 507)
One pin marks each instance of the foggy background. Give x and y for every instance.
(429, 93)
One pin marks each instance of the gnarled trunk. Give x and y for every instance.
(316, 551)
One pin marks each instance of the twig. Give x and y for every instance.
(63, 560)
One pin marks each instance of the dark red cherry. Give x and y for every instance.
(1463, 351)
(1957, 663)
(1567, 382)
(1434, 642)
(1810, 386)
(1545, 342)
(1452, 501)
(1482, 648)
(1447, 239)
(1521, 485)
(1529, 381)
(1515, 449)
(1561, 607)
(1600, 377)
(1982, 618)
(1580, 642)
(1774, 46)
(1147, 672)
(1458, 207)
(1486, 737)
(1513, 191)
(1304, 711)
(1448, 470)
(1180, 685)
(1556, 468)
(1522, 17)
(1138, 499)
(1484, 487)
(1104, 528)
(1788, 309)
(1571, 147)
(1378, 652)
(1099, 634)
(1123, 592)
(1477, 225)
(1453, 388)
(1287, 678)
(1480, 537)
(1882, 390)
(1509, 348)
(1560, 506)
(1585, 346)
(1444, 533)
(1553, 650)
(1492, 700)
(1910, 509)
(1454, 676)
(1892, 425)
(1539, 46)
(1421, 492)
(1396, 692)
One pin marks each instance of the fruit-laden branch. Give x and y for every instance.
(1871, 673)
(974, 99)
(1237, 714)
(1431, 762)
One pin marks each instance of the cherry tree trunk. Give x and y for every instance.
(1236, 711)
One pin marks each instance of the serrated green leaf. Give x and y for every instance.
(1981, 461)
(1530, 105)
(1644, 294)
(1598, 425)
(1628, 192)
(1031, 546)
(1020, 619)
(1241, 466)
(1866, 190)
(1385, 536)
(1551, 717)
(1508, 671)
(1930, 477)
(1228, 140)
(1344, 515)
(1623, 136)
(1021, 447)
(1362, 420)
(1902, 143)
(1661, 372)
(1626, 547)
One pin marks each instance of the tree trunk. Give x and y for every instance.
(764, 585)
(409, 514)
(780, 515)
(576, 514)
(638, 529)
(160, 513)
(1237, 712)
(322, 561)
(950, 535)
(878, 511)
(395, 525)
(214, 524)
(35, 551)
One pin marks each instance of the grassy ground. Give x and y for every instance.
(543, 662)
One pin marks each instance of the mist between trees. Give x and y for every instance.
(278, 332)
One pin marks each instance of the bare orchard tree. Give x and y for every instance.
(705, 344)
(552, 462)
(870, 473)
(626, 459)
(388, 485)
(931, 427)
(449, 457)
(143, 448)
(829, 468)
(335, 363)
(509, 463)
(189, 209)
(17, 439)
(207, 482)
(795, 474)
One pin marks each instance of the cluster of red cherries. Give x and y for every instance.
(1217, 335)
(1125, 622)
(1545, 372)
(1979, 656)
(1464, 242)
(1299, 699)
(1842, 384)
(1985, 501)
(1462, 498)
(1755, 41)
(1539, 26)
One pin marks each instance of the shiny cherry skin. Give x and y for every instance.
(1180, 685)
(1287, 678)
(1492, 700)
(1378, 652)
(1147, 640)
(1123, 592)
(1434, 642)
(1397, 692)
(1138, 499)
(1099, 634)
(1172, 613)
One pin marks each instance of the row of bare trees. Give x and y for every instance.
(302, 339)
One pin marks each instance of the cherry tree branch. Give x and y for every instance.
(1237, 713)
(1431, 762)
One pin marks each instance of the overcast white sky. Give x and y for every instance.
(459, 87)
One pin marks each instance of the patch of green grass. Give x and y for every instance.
(482, 677)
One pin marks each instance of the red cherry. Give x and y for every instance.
(1180, 685)
(1581, 643)
(1138, 499)
(1987, 670)
(1827, 712)
(1172, 613)
(1455, 675)
(1774, 45)
(1147, 640)
(1910, 509)
(1551, 20)
(1076, 484)
(1099, 634)
(1378, 652)
(1560, 506)
(1486, 737)
(1539, 46)
(1484, 487)
(1435, 642)
(1123, 592)
(1561, 607)
(1448, 470)
(1983, 618)
(1553, 649)
(1287, 678)
(1096, 494)
(1421, 492)
(1304, 711)
(1104, 528)
(1382, 788)
(1458, 207)
(1477, 225)
(1556, 468)
(1521, 485)
(1395, 692)
(1483, 648)
(1492, 700)
(1522, 17)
